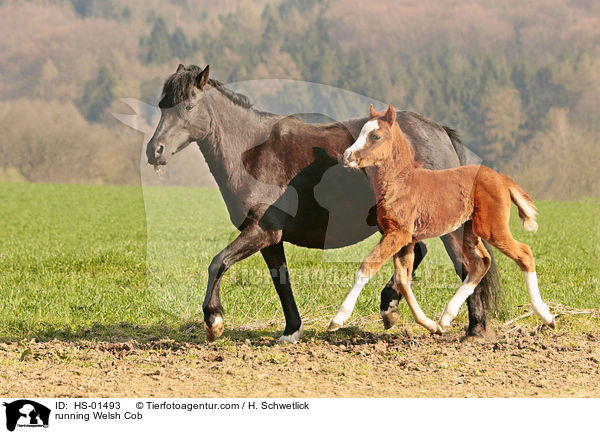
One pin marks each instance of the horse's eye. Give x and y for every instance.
(375, 136)
(189, 107)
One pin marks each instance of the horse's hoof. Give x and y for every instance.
(389, 318)
(215, 330)
(333, 326)
(552, 324)
(475, 331)
(471, 338)
(292, 338)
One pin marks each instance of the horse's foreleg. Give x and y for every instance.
(477, 264)
(453, 244)
(274, 256)
(390, 298)
(403, 265)
(249, 241)
(388, 245)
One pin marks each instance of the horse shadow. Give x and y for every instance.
(160, 336)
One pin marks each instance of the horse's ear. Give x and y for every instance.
(372, 112)
(390, 115)
(180, 68)
(202, 78)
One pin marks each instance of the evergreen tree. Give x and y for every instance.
(98, 95)
(180, 47)
(159, 43)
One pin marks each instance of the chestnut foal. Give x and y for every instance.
(415, 203)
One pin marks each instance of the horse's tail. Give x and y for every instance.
(524, 202)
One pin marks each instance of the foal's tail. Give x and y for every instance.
(524, 202)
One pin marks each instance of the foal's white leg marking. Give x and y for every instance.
(294, 337)
(348, 304)
(217, 320)
(539, 307)
(451, 310)
(360, 141)
(418, 313)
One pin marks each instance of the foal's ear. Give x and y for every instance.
(373, 112)
(202, 78)
(390, 115)
(180, 68)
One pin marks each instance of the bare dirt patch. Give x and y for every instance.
(522, 361)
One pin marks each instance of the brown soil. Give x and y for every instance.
(406, 363)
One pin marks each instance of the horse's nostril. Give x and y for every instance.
(159, 150)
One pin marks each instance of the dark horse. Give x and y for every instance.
(277, 175)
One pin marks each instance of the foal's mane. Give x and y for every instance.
(180, 85)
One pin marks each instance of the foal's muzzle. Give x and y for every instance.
(350, 159)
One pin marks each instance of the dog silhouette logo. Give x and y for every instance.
(26, 413)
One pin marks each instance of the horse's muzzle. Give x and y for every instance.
(156, 154)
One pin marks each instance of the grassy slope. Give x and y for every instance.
(96, 260)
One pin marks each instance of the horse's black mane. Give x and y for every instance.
(179, 86)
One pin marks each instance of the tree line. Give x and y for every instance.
(507, 106)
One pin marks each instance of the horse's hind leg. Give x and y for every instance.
(274, 256)
(252, 239)
(390, 297)
(502, 239)
(403, 265)
(477, 261)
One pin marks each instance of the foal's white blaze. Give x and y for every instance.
(539, 307)
(361, 141)
(348, 304)
(451, 310)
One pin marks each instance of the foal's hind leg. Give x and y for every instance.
(403, 265)
(453, 242)
(501, 238)
(477, 262)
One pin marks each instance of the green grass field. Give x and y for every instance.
(90, 261)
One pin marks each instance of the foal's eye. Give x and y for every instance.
(375, 136)
(189, 107)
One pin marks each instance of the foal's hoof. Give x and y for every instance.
(390, 318)
(552, 324)
(215, 330)
(436, 329)
(439, 330)
(333, 326)
(292, 338)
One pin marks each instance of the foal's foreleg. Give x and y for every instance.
(390, 297)
(403, 264)
(389, 244)
(478, 262)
